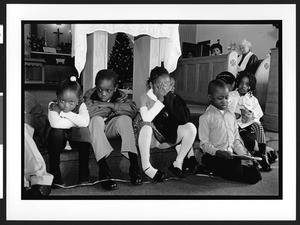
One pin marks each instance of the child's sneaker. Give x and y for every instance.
(273, 156)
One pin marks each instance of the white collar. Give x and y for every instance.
(222, 111)
(152, 95)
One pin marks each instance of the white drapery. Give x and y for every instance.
(170, 49)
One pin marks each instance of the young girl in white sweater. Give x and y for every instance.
(248, 112)
(69, 119)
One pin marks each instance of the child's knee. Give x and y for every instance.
(56, 133)
(146, 129)
(122, 120)
(192, 128)
(98, 121)
(189, 129)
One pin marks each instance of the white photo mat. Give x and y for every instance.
(18, 209)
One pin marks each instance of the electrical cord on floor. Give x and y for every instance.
(120, 180)
(99, 181)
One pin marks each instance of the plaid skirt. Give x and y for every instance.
(138, 123)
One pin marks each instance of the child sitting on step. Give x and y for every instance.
(220, 139)
(69, 119)
(111, 113)
(163, 118)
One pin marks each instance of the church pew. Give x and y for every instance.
(193, 75)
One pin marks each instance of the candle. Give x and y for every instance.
(45, 37)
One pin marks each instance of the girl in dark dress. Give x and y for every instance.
(163, 119)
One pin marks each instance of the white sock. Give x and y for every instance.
(150, 171)
(177, 164)
(144, 142)
(186, 134)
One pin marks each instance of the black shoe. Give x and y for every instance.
(57, 180)
(107, 183)
(190, 165)
(272, 156)
(201, 169)
(83, 180)
(160, 176)
(105, 175)
(38, 191)
(135, 176)
(264, 163)
(178, 172)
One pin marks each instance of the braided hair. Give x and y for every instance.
(250, 76)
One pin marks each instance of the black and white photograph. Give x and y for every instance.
(162, 113)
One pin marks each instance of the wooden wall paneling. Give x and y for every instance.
(218, 67)
(180, 78)
(191, 77)
(204, 77)
(270, 119)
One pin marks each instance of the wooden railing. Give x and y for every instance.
(193, 75)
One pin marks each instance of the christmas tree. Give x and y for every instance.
(121, 59)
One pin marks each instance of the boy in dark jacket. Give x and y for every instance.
(111, 114)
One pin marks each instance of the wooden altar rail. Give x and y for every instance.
(193, 75)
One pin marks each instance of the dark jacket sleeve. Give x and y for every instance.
(176, 107)
(252, 64)
(127, 108)
(94, 106)
(122, 106)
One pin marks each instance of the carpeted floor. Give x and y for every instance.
(191, 187)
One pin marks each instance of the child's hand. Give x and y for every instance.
(247, 115)
(223, 154)
(164, 88)
(54, 107)
(161, 92)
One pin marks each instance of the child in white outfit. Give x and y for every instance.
(248, 112)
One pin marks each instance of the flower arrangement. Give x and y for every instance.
(36, 43)
(233, 47)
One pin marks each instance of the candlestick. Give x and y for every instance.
(45, 37)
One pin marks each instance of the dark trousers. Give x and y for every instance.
(56, 143)
(231, 169)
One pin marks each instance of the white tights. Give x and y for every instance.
(185, 134)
